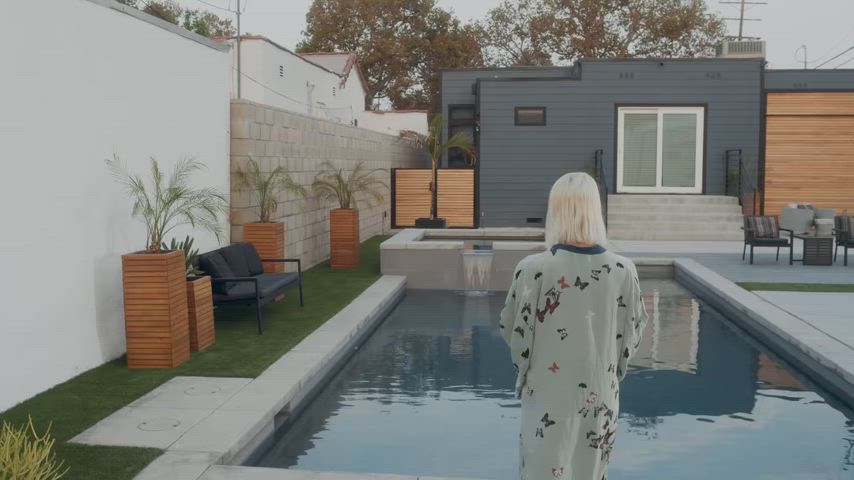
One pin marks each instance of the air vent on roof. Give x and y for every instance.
(741, 49)
(282, 71)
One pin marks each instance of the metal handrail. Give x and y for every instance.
(745, 183)
(599, 165)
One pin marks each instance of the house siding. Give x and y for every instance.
(519, 164)
(807, 80)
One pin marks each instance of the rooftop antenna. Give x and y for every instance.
(741, 18)
(804, 48)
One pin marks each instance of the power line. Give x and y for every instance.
(225, 9)
(741, 18)
(835, 57)
(844, 63)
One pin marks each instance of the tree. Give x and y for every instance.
(165, 10)
(200, 21)
(630, 28)
(400, 44)
(513, 34)
(208, 24)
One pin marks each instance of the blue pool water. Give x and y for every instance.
(431, 393)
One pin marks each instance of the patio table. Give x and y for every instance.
(818, 249)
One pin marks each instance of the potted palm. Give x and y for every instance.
(154, 279)
(267, 236)
(200, 317)
(333, 184)
(434, 145)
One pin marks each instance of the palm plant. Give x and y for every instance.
(165, 203)
(266, 187)
(190, 253)
(432, 142)
(333, 184)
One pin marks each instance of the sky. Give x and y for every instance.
(824, 26)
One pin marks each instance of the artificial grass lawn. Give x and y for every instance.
(239, 351)
(796, 287)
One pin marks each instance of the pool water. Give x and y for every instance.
(431, 393)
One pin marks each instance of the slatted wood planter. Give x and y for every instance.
(155, 297)
(200, 313)
(269, 241)
(344, 238)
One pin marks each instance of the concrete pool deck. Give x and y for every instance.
(224, 472)
(202, 421)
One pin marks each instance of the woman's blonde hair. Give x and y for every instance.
(575, 212)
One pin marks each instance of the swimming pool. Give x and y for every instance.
(431, 393)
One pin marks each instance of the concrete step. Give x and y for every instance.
(618, 234)
(627, 199)
(674, 225)
(696, 216)
(674, 217)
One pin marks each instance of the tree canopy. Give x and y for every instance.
(401, 44)
(202, 22)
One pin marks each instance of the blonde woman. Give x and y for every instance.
(573, 318)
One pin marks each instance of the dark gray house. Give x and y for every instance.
(660, 127)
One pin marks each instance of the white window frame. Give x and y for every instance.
(660, 112)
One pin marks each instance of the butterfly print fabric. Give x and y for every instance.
(569, 389)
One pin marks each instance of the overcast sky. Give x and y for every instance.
(824, 26)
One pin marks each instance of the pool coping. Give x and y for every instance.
(255, 410)
(827, 361)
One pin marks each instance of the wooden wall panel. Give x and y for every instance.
(809, 152)
(811, 103)
(455, 201)
(411, 196)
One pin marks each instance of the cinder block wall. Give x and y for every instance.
(301, 144)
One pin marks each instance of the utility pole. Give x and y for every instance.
(741, 18)
(238, 48)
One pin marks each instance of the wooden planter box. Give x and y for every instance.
(269, 241)
(155, 296)
(200, 313)
(344, 238)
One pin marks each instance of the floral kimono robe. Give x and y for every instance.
(573, 318)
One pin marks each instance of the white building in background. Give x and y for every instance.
(324, 85)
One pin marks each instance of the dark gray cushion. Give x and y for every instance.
(215, 265)
(269, 285)
(253, 261)
(236, 257)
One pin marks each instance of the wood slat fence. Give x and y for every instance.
(411, 197)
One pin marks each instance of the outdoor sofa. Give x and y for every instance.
(238, 277)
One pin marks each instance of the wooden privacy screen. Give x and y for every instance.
(411, 196)
(809, 150)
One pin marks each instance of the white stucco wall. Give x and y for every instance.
(392, 122)
(78, 84)
(305, 88)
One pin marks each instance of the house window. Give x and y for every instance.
(282, 71)
(530, 116)
(660, 149)
(461, 119)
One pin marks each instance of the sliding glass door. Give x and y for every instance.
(660, 150)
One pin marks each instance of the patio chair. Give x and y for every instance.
(765, 232)
(237, 276)
(843, 230)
